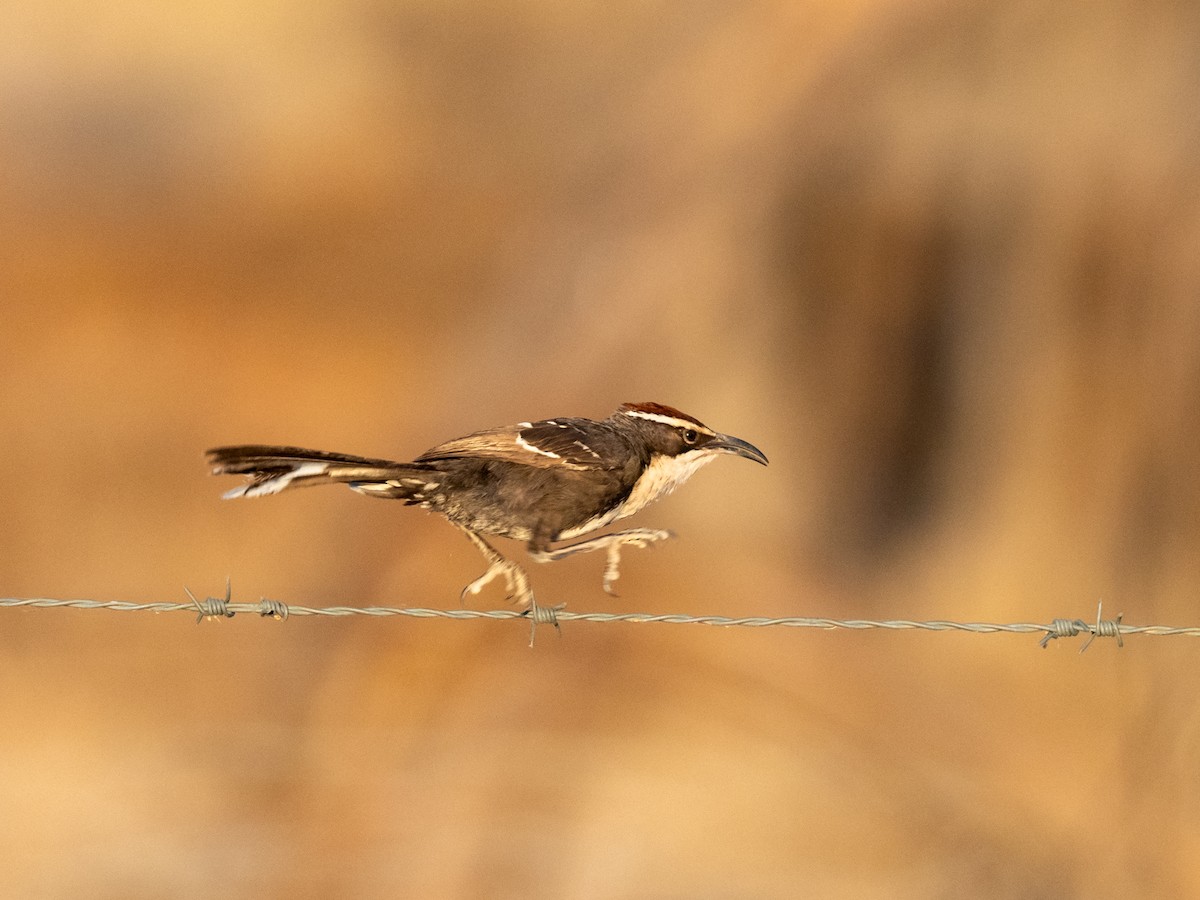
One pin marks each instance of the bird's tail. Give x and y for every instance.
(275, 469)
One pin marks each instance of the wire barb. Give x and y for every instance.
(212, 607)
(274, 609)
(1105, 628)
(1110, 628)
(1063, 628)
(543, 615)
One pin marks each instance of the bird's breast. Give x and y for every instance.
(661, 476)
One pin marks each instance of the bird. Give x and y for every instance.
(542, 483)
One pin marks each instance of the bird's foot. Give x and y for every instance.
(612, 544)
(638, 537)
(515, 579)
(520, 594)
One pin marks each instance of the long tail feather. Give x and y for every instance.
(275, 469)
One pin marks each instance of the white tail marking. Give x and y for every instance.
(277, 483)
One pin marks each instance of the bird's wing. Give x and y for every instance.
(553, 442)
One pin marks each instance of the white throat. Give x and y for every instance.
(663, 475)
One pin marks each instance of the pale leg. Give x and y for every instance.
(634, 537)
(515, 578)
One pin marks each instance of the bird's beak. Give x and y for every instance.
(725, 443)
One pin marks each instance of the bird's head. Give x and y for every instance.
(671, 433)
(677, 446)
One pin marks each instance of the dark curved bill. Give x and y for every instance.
(728, 444)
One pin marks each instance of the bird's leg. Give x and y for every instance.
(519, 591)
(515, 578)
(635, 537)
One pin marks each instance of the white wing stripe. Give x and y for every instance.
(524, 444)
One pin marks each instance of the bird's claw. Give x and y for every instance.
(515, 580)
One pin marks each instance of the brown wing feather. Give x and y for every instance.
(498, 444)
(554, 442)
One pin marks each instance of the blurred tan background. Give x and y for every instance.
(939, 260)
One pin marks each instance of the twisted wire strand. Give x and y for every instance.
(225, 607)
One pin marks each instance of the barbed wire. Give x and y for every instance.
(226, 607)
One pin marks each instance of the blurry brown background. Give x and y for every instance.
(939, 260)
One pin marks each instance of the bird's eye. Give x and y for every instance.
(690, 436)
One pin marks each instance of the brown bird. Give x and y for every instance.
(537, 482)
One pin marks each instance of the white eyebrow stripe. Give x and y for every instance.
(669, 420)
